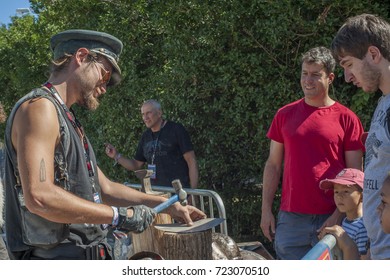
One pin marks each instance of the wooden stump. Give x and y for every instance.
(150, 239)
(187, 246)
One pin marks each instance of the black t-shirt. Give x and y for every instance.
(168, 146)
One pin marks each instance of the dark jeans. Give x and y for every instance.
(296, 234)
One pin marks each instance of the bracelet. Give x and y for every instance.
(115, 218)
(117, 157)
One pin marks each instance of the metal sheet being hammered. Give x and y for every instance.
(198, 226)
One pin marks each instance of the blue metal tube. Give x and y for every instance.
(166, 203)
(322, 250)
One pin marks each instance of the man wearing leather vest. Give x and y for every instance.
(59, 204)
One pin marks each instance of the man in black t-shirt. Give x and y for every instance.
(165, 147)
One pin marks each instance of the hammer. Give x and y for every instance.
(181, 196)
(146, 186)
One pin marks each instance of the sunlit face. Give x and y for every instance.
(151, 116)
(361, 73)
(315, 81)
(384, 207)
(347, 198)
(93, 82)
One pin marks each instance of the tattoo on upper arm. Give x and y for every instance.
(42, 171)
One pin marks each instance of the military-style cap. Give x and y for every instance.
(70, 41)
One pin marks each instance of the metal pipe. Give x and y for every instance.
(323, 249)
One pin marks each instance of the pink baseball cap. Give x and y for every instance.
(347, 176)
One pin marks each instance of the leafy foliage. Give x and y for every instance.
(222, 68)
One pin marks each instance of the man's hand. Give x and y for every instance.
(110, 150)
(185, 214)
(141, 219)
(267, 225)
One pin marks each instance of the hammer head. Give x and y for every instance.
(143, 173)
(182, 194)
(144, 176)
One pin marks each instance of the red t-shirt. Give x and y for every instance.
(315, 140)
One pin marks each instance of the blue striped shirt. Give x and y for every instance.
(358, 233)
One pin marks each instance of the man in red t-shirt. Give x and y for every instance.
(314, 137)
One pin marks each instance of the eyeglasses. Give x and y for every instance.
(106, 75)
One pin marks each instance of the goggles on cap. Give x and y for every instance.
(105, 52)
(106, 75)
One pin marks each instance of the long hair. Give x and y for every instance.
(60, 64)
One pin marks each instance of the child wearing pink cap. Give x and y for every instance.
(348, 196)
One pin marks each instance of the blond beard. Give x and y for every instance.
(90, 102)
(87, 90)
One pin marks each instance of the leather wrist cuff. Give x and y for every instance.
(122, 216)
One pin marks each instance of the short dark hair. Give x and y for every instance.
(320, 55)
(360, 32)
